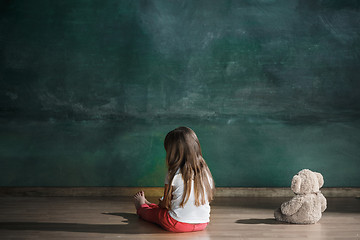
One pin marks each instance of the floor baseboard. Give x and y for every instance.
(158, 191)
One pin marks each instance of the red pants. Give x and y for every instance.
(153, 213)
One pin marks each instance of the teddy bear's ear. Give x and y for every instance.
(320, 179)
(296, 184)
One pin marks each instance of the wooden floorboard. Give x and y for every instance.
(114, 218)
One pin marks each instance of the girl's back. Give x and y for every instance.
(189, 212)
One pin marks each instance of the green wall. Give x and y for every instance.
(89, 89)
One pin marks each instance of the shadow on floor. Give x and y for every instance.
(259, 221)
(131, 225)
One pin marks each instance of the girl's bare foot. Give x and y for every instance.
(146, 201)
(139, 199)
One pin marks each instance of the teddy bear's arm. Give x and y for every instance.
(323, 203)
(292, 206)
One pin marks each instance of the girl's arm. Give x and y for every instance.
(162, 200)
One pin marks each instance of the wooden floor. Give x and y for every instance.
(114, 218)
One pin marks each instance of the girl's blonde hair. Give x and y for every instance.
(183, 152)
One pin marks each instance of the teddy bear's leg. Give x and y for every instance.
(278, 215)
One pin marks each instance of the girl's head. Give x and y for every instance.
(183, 152)
(182, 148)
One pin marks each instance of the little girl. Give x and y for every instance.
(189, 186)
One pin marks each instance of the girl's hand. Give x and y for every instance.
(161, 202)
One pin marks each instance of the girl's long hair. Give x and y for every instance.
(183, 152)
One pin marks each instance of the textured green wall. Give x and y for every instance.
(89, 89)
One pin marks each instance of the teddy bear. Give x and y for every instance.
(308, 204)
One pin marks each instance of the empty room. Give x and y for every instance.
(186, 119)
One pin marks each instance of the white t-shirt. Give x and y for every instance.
(190, 213)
